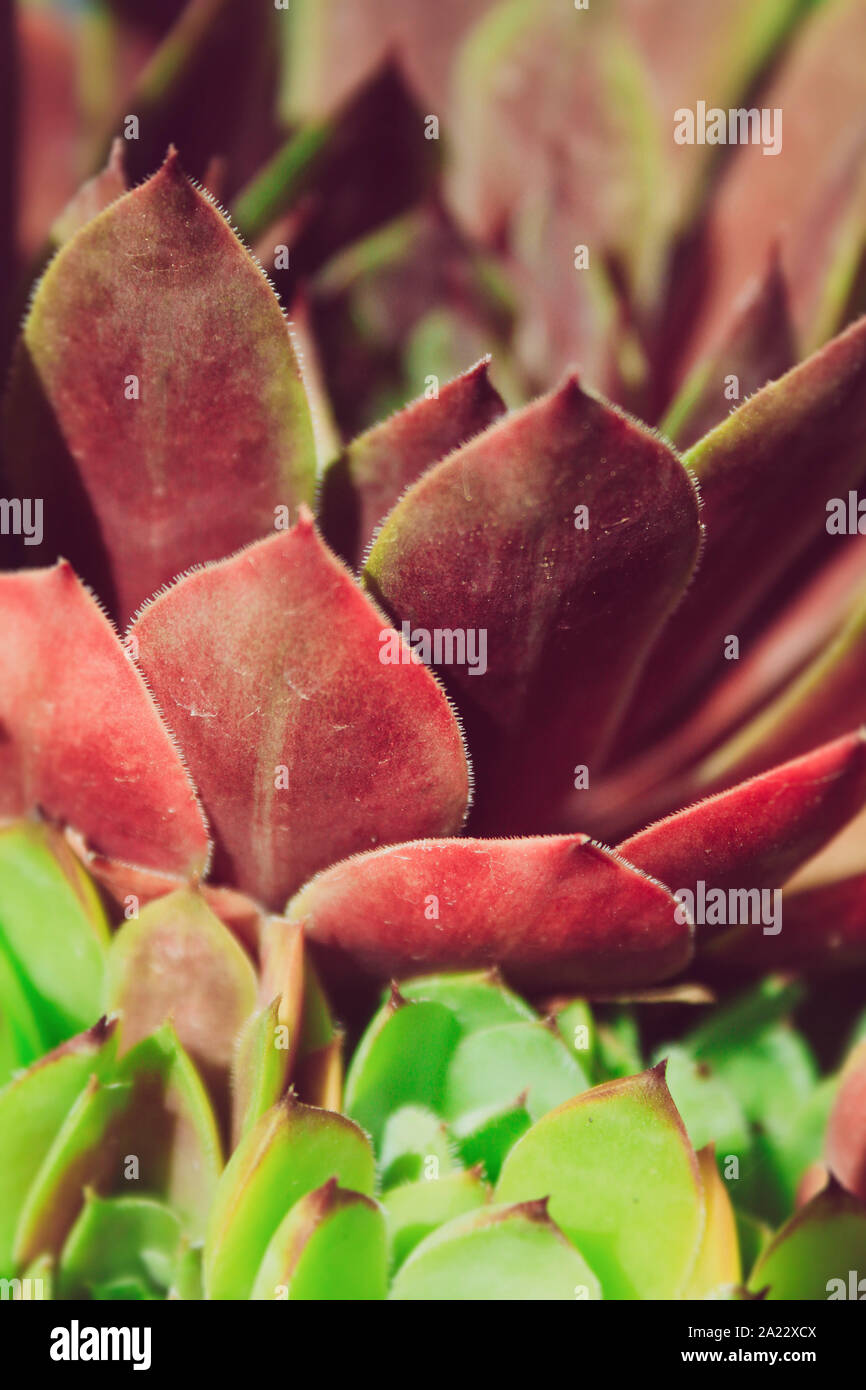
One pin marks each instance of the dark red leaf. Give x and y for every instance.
(759, 832)
(488, 542)
(551, 911)
(364, 483)
(305, 746)
(766, 474)
(175, 442)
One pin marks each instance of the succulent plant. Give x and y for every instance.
(564, 683)
(485, 1152)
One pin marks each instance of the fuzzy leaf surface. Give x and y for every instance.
(304, 745)
(82, 737)
(488, 540)
(154, 347)
(595, 919)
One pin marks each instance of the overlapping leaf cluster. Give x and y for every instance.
(190, 810)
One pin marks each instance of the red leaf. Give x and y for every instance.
(357, 171)
(80, 736)
(244, 917)
(756, 834)
(826, 697)
(178, 962)
(823, 927)
(304, 745)
(766, 473)
(803, 196)
(364, 483)
(758, 347)
(209, 84)
(551, 911)
(47, 119)
(520, 176)
(92, 197)
(489, 541)
(139, 487)
(336, 45)
(657, 782)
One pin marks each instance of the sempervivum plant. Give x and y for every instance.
(485, 1152)
(543, 691)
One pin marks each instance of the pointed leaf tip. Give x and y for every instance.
(564, 534)
(154, 456)
(757, 833)
(465, 903)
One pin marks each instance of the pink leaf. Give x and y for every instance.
(80, 737)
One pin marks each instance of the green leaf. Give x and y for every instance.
(119, 1239)
(330, 1246)
(53, 928)
(21, 1039)
(753, 1236)
(813, 1254)
(619, 1047)
(477, 999)
(171, 1129)
(401, 1060)
(415, 1209)
(708, 1106)
(260, 1072)
(33, 1107)
(186, 1283)
(798, 1141)
(414, 1141)
(486, 1136)
(85, 1151)
(504, 1253)
(747, 1014)
(495, 1065)
(578, 1029)
(178, 961)
(42, 1276)
(291, 1151)
(718, 1259)
(771, 1073)
(623, 1183)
